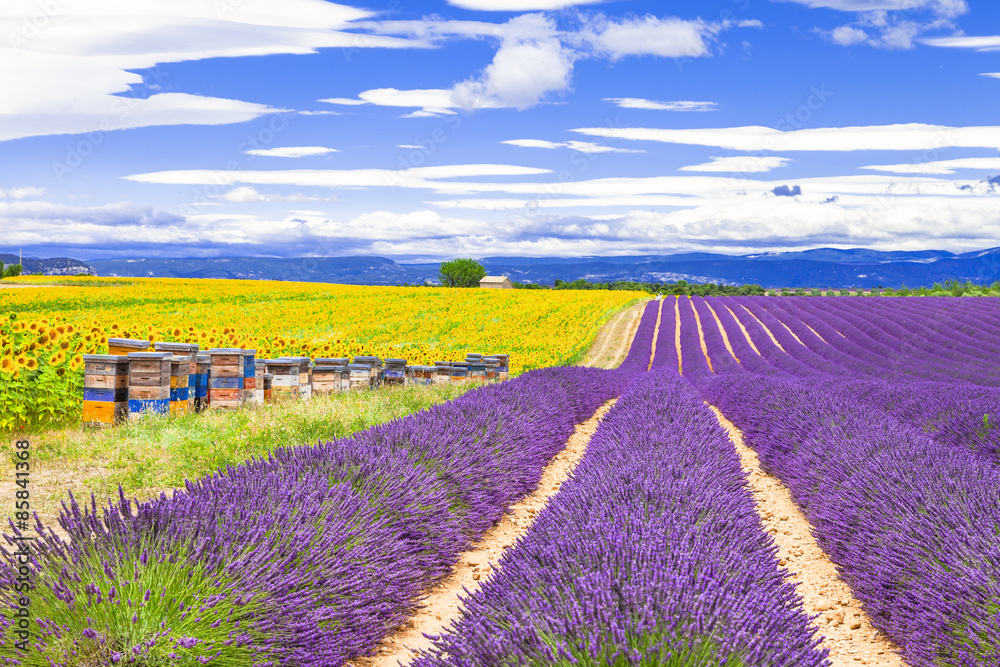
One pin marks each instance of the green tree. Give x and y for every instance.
(12, 270)
(461, 273)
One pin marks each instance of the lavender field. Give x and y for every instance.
(879, 415)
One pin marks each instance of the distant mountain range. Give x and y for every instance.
(823, 267)
(56, 266)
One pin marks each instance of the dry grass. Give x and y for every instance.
(158, 454)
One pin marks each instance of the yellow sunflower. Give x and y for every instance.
(8, 365)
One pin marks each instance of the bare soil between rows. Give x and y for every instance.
(442, 604)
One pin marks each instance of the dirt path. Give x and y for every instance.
(677, 335)
(442, 604)
(656, 335)
(847, 631)
(615, 339)
(722, 330)
(701, 337)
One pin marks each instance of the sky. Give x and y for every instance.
(428, 130)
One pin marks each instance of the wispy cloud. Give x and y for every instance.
(580, 146)
(680, 105)
(940, 166)
(741, 164)
(292, 151)
(912, 136)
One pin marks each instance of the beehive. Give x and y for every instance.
(149, 383)
(422, 375)
(260, 367)
(374, 365)
(268, 378)
(394, 371)
(189, 350)
(125, 346)
(180, 373)
(492, 368)
(330, 379)
(305, 375)
(442, 372)
(361, 377)
(285, 376)
(504, 371)
(249, 376)
(226, 382)
(105, 389)
(477, 368)
(203, 364)
(459, 372)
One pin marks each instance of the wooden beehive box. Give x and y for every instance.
(105, 389)
(258, 387)
(149, 383)
(123, 346)
(394, 371)
(442, 372)
(268, 378)
(422, 375)
(329, 379)
(459, 372)
(203, 365)
(227, 381)
(285, 376)
(361, 377)
(189, 350)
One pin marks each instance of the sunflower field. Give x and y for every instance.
(44, 331)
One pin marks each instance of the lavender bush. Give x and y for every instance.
(651, 554)
(305, 558)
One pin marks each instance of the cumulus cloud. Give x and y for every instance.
(292, 151)
(72, 73)
(535, 60)
(889, 24)
(744, 164)
(681, 105)
(847, 35)
(580, 146)
(907, 137)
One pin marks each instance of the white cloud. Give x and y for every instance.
(519, 5)
(994, 75)
(417, 177)
(847, 35)
(535, 60)
(292, 151)
(581, 146)
(742, 164)
(984, 43)
(939, 166)
(22, 192)
(648, 36)
(413, 146)
(948, 8)
(680, 105)
(530, 64)
(430, 101)
(66, 73)
(246, 194)
(913, 136)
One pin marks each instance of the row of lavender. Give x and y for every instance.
(878, 417)
(309, 557)
(652, 554)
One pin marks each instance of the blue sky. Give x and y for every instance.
(428, 130)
